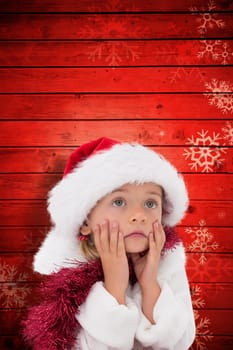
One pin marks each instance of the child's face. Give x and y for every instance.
(135, 208)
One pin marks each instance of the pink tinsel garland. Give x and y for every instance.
(52, 325)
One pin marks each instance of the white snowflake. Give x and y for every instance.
(224, 54)
(221, 95)
(206, 154)
(207, 19)
(203, 241)
(12, 294)
(217, 50)
(208, 49)
(202, 323)
(228, 132)
(113, 52)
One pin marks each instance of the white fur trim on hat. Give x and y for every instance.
(71, 200)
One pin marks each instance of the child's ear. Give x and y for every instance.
(85, 229)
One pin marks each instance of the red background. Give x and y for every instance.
(157, 72)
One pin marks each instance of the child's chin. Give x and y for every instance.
(140, 251)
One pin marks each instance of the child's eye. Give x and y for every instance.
(118, 202)
(151, 204)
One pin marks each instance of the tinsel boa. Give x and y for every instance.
(52, 325)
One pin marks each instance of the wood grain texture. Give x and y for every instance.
(108, 80)
(115, 53)
(75, 133)
(78, 106)
(113, 6)
(111, 26)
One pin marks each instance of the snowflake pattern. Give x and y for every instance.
(113, 52)
(191, 74)
(202, 323)
(12, 294)
(203, 241)
(217, 50)
(221, 95)
(228, 133)
(206, 155)
(207, 20)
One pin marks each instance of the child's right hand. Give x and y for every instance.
(110, 245)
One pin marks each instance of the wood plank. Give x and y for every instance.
(111, 106)
(212, 295)
(17, 295)
(52, 160)
(214, 239)
(33, 213)
(115, 53)
(217, 268)
(36, 186)
(12, 342)
(22, 239)
(148, 132)
(108, 80)
(10, 319)
(28, 239)
(215, 342)
(104, 26)
(111, 6)
(216, 318)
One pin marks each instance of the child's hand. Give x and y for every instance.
(109, 243)
(146, 266)
(146, 269)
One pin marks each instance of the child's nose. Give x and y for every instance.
(138, 217)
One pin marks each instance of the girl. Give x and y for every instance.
(116, 268)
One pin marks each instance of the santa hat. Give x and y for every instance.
(92, 171)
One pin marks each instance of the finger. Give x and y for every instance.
(121, 244)
(159, 234)
(113, 237)
(96, 233)
(152, 243)
(104, 235)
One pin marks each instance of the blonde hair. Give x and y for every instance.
(88, 249)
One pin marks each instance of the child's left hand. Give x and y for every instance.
(146, 269)
(146, 266)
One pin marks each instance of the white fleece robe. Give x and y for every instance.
(107, 325)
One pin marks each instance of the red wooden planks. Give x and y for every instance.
(111, 26)
(116, 53)
(115, 106)
(107, 80)
(149, 132)
(113, 6)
